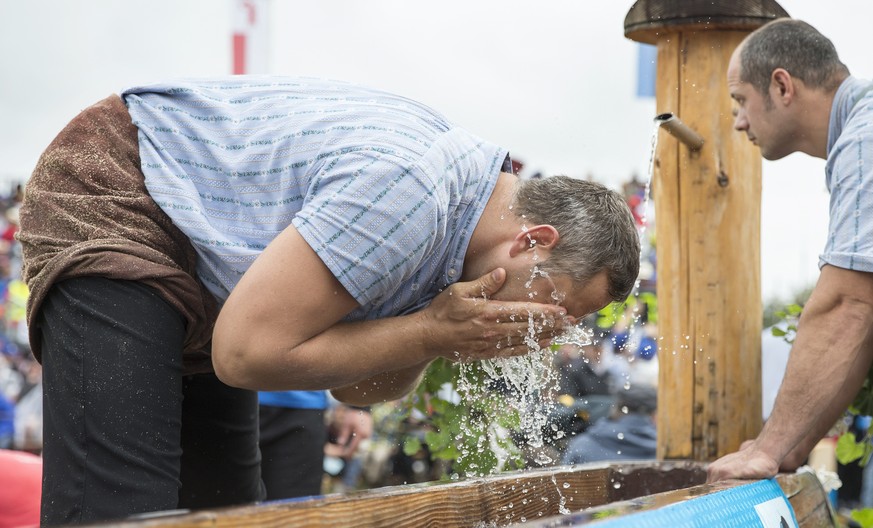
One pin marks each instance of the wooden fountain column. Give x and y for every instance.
(708, 217)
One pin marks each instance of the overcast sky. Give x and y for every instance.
(553, 81)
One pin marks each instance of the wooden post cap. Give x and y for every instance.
(648, 20)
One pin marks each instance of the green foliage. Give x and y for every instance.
(610, 315)
(773, 307)
(463, 432)
(605, 514)
(863, 403)
(411, 445)
(849, 449)
(864, 517)
(788, 316)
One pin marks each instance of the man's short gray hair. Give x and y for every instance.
(596, 227)
(795, 46)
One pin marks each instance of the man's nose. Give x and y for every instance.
(740, 122)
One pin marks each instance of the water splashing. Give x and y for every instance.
(577, 335)
(521, 386)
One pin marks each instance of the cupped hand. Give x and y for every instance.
(747, 463)
(463, 324)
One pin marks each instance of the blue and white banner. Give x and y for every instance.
(647, 63)
(760, 504)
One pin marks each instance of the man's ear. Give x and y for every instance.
(783, 83)
(543, 236)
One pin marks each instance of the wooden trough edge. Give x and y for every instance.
(526, 496)
(803, 491)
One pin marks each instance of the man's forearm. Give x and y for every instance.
(272, 347)
(828, 364)
(382, 387)
(347, 353)
(826, 368)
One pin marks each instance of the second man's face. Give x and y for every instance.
(758, 116)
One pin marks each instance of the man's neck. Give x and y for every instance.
(818, 124)
(817, 120)
(497, 224)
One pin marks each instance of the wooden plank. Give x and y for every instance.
(808, 499)
(722, 187)
(562, 496)
(502, 499)
(707, 206)
(675, 364)
(803, 491)
(544, 493)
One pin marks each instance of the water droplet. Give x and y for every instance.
(616, 485)
(566, 485)
(620, 436)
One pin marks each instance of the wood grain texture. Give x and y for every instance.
(560, 496)
(707, 205)
(675, 363)
(501, 500)
(808, 499)
(803, 491)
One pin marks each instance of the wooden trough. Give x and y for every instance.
(586, 494)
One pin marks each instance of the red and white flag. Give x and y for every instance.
(250, 36)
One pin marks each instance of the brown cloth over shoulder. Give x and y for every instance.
(86, 212)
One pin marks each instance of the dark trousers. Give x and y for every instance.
(292, 446)
(124, 431)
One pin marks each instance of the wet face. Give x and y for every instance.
(585, 299)
(534, 285)
(757, 115)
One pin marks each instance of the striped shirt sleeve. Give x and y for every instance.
(850, 175)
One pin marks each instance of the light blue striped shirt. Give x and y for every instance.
(849, 178)
(384, 189)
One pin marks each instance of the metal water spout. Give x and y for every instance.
(680, 130)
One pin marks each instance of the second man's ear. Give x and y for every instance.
(784, 83)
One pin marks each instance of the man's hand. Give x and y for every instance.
(352, 426)
(747, 463)
(463, 324)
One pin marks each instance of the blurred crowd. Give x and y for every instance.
(20, 374)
